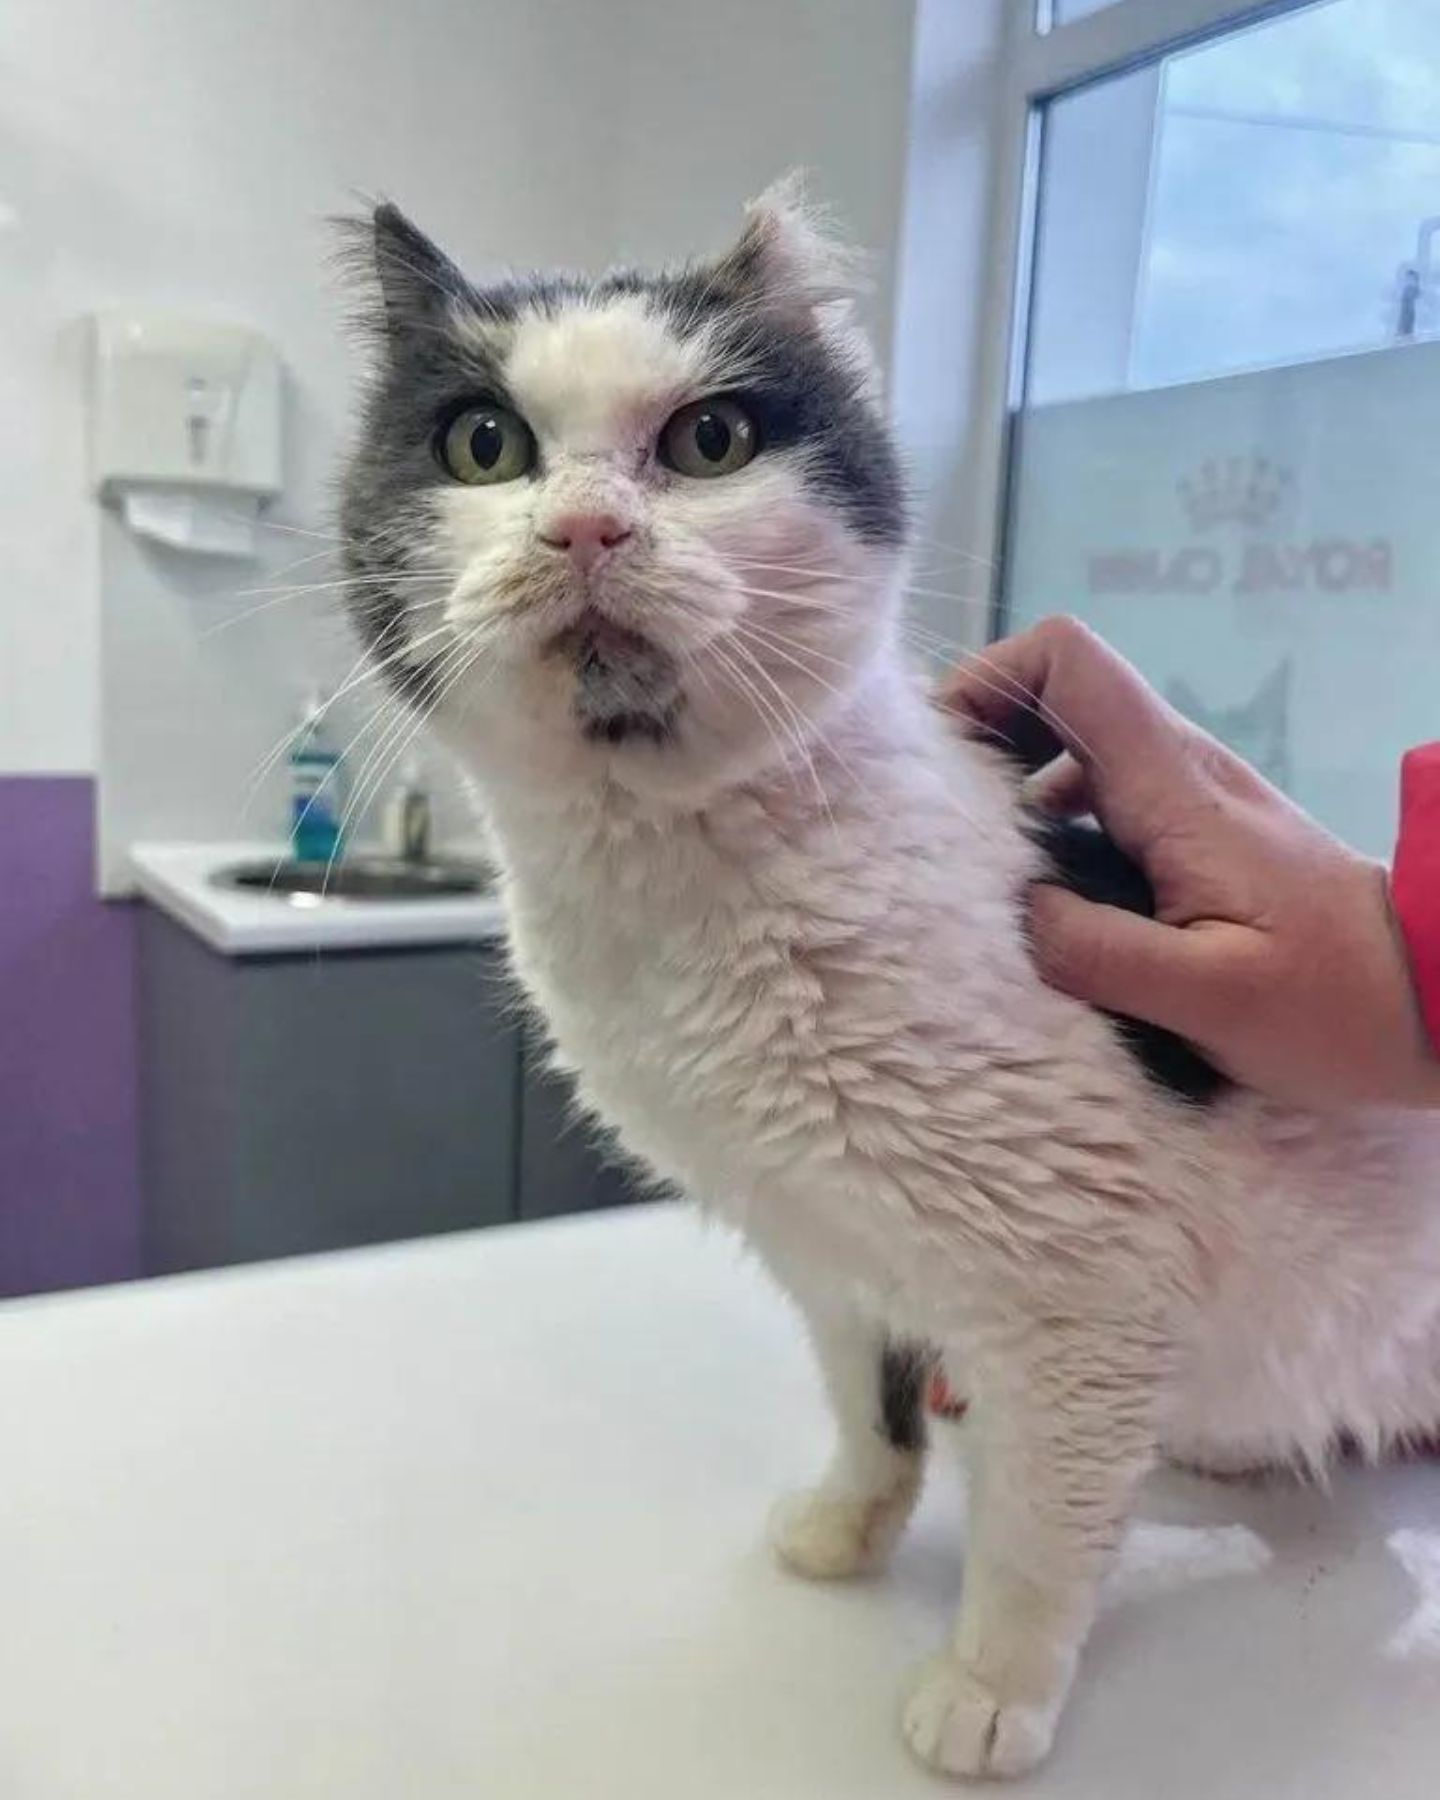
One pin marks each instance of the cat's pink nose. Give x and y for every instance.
(586, 536)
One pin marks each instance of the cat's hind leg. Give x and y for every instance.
(850, 1522)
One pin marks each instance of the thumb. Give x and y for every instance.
(1123, 961)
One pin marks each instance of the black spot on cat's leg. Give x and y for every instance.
(1082, 858)
(905, 1370)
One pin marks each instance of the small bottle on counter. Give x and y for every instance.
(317, 801)
(407, 817)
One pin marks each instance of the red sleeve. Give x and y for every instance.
(1415, 877)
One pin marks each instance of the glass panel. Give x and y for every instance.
(1268, 196)
(1199, 472)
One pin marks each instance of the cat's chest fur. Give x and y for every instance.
(772, 997)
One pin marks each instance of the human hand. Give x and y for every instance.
(1273, 948)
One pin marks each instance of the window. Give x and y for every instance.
(1222, 459)
(1264, 197)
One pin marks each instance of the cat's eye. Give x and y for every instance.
(709, 438)
(485, 444)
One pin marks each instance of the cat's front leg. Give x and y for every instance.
(850, 1522)
(1062, 1431)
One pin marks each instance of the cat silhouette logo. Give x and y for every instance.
(1234, 509)
(1256, 727)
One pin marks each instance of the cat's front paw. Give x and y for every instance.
(958, 1726)
(826, 1536)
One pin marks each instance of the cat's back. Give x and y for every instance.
(1321, 1313)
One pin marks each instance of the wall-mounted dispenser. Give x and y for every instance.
(186, 428)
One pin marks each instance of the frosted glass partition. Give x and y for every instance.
(1267, 548)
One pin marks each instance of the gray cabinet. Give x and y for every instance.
(303, 1103)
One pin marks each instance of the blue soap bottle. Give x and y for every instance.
(316, 783)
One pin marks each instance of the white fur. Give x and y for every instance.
(797, 985)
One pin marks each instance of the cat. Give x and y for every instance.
(636, 545)
(1257, 729)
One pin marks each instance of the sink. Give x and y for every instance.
(355, 878)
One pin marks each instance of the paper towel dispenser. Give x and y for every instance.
(186, 427)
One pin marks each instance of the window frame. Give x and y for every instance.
(1040, 61)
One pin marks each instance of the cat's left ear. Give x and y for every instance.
(790, 259)
(1275, 689)
(791, 264)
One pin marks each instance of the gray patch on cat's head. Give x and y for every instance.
(409, 296)
(436, 337)
(806, 393)
(764, 303)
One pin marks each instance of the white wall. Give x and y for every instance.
(724, 96)
(164, 151)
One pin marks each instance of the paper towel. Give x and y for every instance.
(212, 524)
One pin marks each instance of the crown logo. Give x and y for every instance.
(1233, 490)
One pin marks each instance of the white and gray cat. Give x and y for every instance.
(638, 545)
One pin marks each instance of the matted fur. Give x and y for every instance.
(779, 940)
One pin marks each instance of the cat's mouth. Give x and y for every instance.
(627, 689)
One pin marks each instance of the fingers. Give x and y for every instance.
(1059, 687)
(1165, 974)
(1062, 789)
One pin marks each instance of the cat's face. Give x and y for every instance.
(647, 525)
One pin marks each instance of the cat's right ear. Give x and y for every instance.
(403, 279)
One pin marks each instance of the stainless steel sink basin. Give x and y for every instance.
(355, 878)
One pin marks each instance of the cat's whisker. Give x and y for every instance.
(301, 562)
(802, 600)
(1006, 687)
(393, 578)
(798, 724)
(362, 670)
(805, 569)
(811, 725)
(764, 711)
(365, 669)
(793, 643)
(346, 752)
(829, 578)
(954, 553)
(381, 716)
(456, 671)
(745, 631)
(289, 597)
(376, 764)
(320, 537)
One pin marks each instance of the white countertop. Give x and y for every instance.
(177, 878)
(480, 1519)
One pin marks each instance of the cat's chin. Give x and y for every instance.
(595, 634)
(627, 688)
